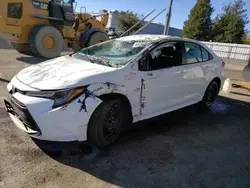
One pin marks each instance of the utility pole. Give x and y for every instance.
(168, 18)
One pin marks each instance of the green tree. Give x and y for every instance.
(127, 19)
(199, 24)
(246, 38)
(230, 25)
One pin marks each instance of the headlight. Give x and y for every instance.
(60, 97)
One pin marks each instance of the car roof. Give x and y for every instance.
(155, 38)
(159, 38)
(146, 37)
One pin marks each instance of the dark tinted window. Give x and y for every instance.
(168, 55)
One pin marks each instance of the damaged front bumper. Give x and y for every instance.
(9, 32)
(66, 123)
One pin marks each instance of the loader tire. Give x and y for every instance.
(96, 38)
(22, 48)
(46, 41)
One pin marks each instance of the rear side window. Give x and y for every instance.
(192, 53)
(206, 56)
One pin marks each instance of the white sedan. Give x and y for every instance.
(95, 93)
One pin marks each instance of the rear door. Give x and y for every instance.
(210, 67)
(197, 67)
(193, 76)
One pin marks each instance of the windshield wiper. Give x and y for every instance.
(104, 61)
(82, 55)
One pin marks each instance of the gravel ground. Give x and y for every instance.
(181, 149)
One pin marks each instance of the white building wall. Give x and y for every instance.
(112, 20)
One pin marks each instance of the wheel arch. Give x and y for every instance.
(217, 80)
(110, 96)
(127, 120)
(114, 96)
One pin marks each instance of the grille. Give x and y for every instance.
(23, 114)
(15, 10)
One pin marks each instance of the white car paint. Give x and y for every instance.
(63, 72)
(150, 93)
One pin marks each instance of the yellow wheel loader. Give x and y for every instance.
(45, 27)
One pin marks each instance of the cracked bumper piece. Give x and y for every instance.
(66, 123)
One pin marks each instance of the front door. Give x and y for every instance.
(162, 84)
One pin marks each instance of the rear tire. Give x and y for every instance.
(46, 41)
(22, 48)
(96, 38)
(209, 97)
(107, 122)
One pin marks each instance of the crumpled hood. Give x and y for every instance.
(64, 72)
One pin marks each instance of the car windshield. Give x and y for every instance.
(115, 53)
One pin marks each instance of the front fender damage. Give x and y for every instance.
(106, 88)
(94, 90)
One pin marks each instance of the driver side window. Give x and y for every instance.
(167, 55)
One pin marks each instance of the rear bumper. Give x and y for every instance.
(9, 32)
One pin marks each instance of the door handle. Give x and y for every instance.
(183, 73)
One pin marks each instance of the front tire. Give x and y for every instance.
(106, 123)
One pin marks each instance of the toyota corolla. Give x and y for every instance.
(95, 93)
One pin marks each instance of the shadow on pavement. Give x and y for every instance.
(30, 59)
(242, 94)
(184, 148)
(4, 80)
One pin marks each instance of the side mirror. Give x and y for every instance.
(144, 63)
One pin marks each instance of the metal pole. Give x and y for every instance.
(136, 24)
(139, 30)
(168, 18)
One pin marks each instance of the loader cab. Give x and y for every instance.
(62, 10)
